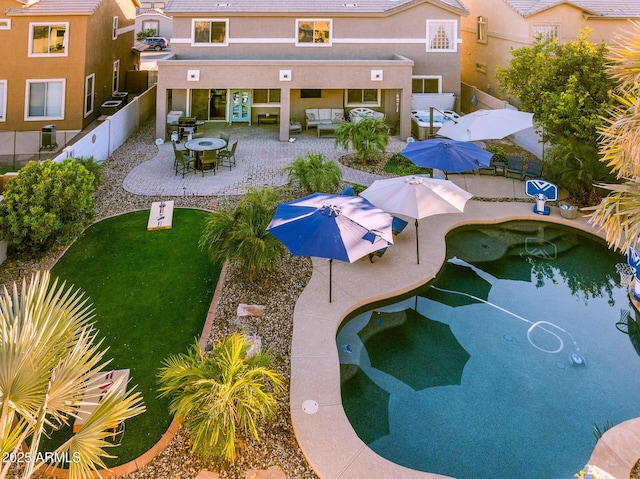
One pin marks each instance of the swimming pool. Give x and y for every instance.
(539, 360)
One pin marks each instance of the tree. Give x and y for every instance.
(619, 213)
(314, 173)
(219, 393)
(564, 85)
(50, 359)
(47, 203)
(239, 234)
(369, 137)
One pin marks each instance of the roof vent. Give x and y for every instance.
(350, 5)
(222, 4)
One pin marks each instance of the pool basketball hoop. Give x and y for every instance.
(627, 272)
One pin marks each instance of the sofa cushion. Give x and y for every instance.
(311, 114)
(337, 114)
(324, 114)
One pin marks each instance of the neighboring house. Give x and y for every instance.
(493, 27)
(238, 60)
(154, 19)
(62, 60)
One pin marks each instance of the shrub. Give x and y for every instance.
(499, 153)
(369, 137)
(47, 203)
(402, 166)
(239, 234)
(576, 166)
(94, 167)
(221, 393)
(314, 174)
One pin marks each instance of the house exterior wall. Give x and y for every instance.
(165, 24)
(507, 29)
(90, 49)
(260, 47)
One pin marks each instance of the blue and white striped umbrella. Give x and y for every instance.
(332, 226)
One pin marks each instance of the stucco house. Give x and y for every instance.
(493, 27)
(62, 60)
(154, 19)
(241, 60)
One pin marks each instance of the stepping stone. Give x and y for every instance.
(254, 310)
(271, 473)
(204, 474)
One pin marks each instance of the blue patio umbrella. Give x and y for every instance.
(449, 156)
(331, 226)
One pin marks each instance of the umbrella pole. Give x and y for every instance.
(330, 268)
(417, 244)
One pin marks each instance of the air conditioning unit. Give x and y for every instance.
(48, 137)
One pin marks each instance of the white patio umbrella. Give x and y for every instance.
(417, 197)
(487, 125)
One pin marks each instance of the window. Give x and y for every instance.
(442, 36)
(115, 83)
(545, 31)
(48, 39)
(310, 93)
(210, 32)
(426, 84)
(89, 94)
(114, 32)
(481, 35)
(5, 24)
(3, 100)
(153, 25)
(45, 99)
(265, 97)
(313, 32)
(364, 97)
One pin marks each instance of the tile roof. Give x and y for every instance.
(302, 6)
(57, 7)
(596, 8)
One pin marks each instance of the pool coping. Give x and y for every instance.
(324, 433)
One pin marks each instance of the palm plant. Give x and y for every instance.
(220, 393)
(619, 213)
(49, 361)
(239, 234)
(369, 137)
(314, 173)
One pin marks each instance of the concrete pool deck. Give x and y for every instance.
(324, 433)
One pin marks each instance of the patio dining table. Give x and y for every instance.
(198, 145)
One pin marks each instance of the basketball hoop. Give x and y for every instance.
(627, 272)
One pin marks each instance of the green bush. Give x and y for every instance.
(402, 166)
(94, 167)
(314, 174)
(576, 167)
(47, 203)
(369, 137)
(239, 234)
(499, 153)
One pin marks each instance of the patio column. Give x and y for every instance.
(285, 113)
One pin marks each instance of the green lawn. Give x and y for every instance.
(151, 291)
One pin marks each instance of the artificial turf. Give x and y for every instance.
(151, 291)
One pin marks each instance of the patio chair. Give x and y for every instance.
(184, 163)
(228, 156)
(209, 161)
(515, 166)
(534, 169)
(225, 136)
(491, 169)
(377, 254)
(398, 225)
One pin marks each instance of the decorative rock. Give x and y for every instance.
(254, 310)
(271, 473)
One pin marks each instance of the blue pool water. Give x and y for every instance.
(504, 364)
